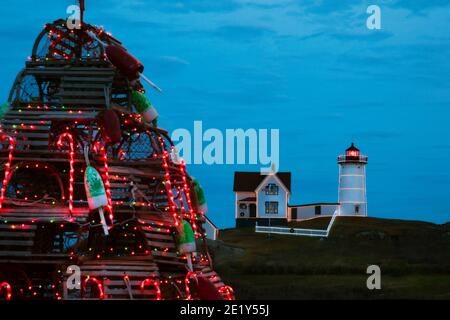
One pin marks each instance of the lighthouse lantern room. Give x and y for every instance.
(352, 183)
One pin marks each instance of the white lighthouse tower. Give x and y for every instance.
(352, 183)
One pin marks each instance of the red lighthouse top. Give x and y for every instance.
(352, 151)
(352, 154)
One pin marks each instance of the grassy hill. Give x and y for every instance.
(414, 258)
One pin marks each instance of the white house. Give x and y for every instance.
(261, 198)
(264, 199)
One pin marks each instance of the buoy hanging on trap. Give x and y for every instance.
(144, 106)
(95, 192)
(109, 122)
(124, 61)
(202, 206)
(186, 242)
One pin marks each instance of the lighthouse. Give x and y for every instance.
(352, 183)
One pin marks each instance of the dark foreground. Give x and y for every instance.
(414, 258)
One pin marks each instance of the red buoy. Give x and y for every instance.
(109, 123)
(206, 290)
(125, 62)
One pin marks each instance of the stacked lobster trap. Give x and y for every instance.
(94, 201)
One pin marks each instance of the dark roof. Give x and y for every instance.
(352, 148)
(248, 199)
(312, 204)
(249, 181)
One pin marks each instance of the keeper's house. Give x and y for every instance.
(264, 199)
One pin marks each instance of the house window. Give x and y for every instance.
(272, 207)
(271, 189)
(356, 209)
(318, 210)
(243, 206)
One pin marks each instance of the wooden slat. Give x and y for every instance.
(17, 234)
(160, 244)
(18, 228)
(129, 260)
(54, 115)
(81, 94)
(42, 210)
(26, 243)
(29, 254)
(37, 143)
(117, 291)
(164, 254)
(21, 261)
(18, 122)
(22, 130)
(120, 282)
(88, 79)
(70, 71)
(119, 273)
(158, 236)
(66, 85)
(84, 101)
(120, 267)
(33, 134)
(171, 262)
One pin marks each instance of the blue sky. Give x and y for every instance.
(310, 68)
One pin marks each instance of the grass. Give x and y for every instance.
(414, 258)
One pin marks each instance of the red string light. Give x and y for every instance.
(169, 191)
(154, 283)
(98, 147)
(69, 137)
(99, 284)
(227, 292)
(12, 144)
(8, 290)
(187, 193)
(181, 201)
(187, 281)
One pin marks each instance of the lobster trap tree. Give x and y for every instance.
(89, 179)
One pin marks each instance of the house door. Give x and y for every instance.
(252, 208)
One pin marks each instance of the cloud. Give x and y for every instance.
(330, 116)
(322, 7)
(255, 75)
(420, 6)
(362, 37)
(256, 95)
(241, 33)
(377, 135)
(166, 65)
(186, 6)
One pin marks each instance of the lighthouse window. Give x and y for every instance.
(271, 189)
(272, 207)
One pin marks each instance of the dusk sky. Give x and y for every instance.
(309, 68)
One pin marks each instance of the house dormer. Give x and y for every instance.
(261, 198)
